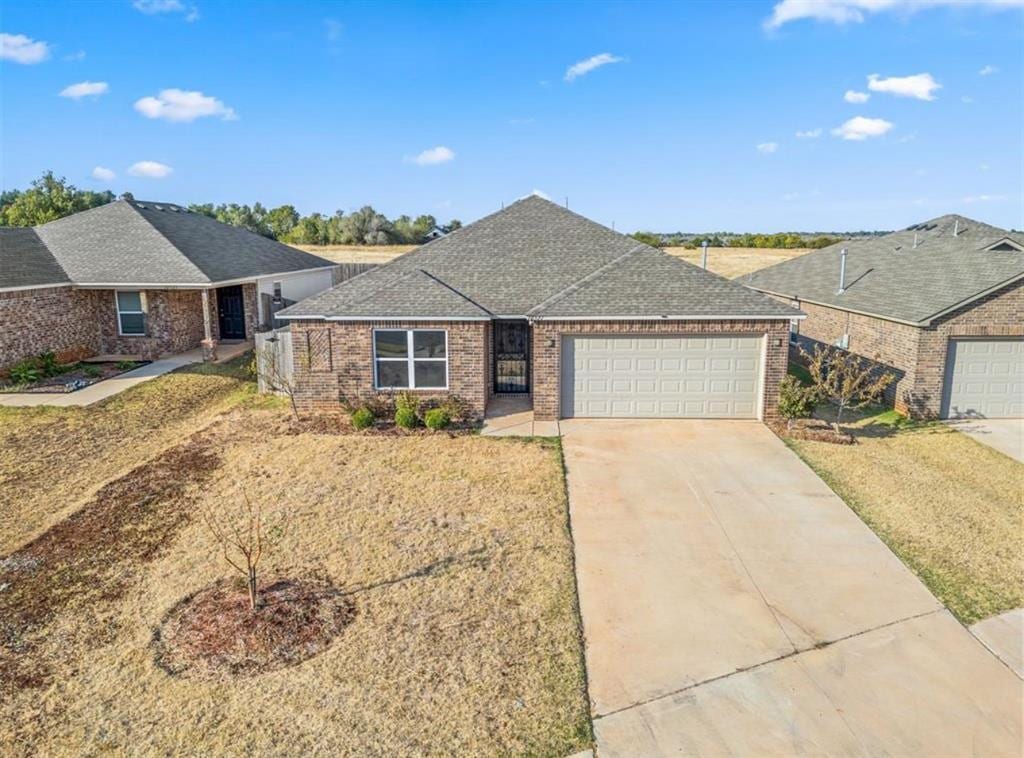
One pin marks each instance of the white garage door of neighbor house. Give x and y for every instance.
(628, 376)
(984, 378)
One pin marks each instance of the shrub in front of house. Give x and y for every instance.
(795, 400)
(362, 418)
(436, 418)
(407, 407)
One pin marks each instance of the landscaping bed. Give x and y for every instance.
(444, 561)
(74, 376)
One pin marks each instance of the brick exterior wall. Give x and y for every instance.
(334, 363)
(547, 349)
(60, 320)
(915, 355)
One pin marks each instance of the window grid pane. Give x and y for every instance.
(133, 323)
(129, 301)
(425, 367)
(431, 374)
(393, 374)
(391, 344)
(428, 344)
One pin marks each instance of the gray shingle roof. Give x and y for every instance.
(149, 243)
(535, 253)
(888, 277)
(25, 261)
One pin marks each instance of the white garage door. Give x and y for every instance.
(985, 378)
(661, 377)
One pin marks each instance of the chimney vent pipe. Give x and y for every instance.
(956, 227)
(842, 271)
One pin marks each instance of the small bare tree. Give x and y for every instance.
(244, 537)
(274, 376)
(844, 379)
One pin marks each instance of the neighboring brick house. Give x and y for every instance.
(132, 278)
(537, 301)
(940, 305)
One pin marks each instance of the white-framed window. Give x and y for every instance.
(794, 323)
(131, 313)
(414, 359)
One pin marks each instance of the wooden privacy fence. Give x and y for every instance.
(274, 367)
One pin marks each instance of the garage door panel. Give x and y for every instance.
(661, 377)
(984, 377)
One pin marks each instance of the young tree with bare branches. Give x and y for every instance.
(844, 379)
(244, 535)
(275, 377)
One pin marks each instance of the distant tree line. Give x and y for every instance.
(50, 197)
(782, 240)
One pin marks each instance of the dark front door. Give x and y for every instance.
(231, 313)
(511, 356)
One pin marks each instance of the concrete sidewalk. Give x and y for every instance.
(733, 604)
(94, 393)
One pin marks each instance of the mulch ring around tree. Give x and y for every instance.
(213, 634)
(813, 429)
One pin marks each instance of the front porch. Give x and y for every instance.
(512, 416)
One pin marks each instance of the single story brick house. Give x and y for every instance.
(142, 279)
(538, 301)
(939, 304)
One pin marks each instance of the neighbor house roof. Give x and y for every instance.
(130, 242)
(537, 259)
(25, 262)
(888, 276)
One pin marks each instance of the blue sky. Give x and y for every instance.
(680, 117)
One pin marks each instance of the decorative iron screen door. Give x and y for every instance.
(511, 356)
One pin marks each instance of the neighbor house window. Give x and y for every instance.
(131, 314)
(410, 358)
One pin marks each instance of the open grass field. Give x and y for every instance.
(454, 551)
(950, 507)
(729, 262)
(52, 459)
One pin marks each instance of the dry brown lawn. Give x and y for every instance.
(52, 459)
(357, 253)
(454, 550)
(731, 262)
(950, 507)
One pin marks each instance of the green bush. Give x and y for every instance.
(125, 365)
(406, 418)
(362, 418)
(92, 371)
(436, 418)
(406, 401)
(795, 400)
(47, 363)
(25, 372)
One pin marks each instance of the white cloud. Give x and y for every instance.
(966, 99)
(767, 148)
(580, 68)
(920, 86)
(433, 156)
(853, 96)
(988, 70)
(103, 173)
(856, 11)
(984, 167)
(79, 56)
(860, 128)
(180, 105)
(809, 134)
(22, 49)
(150, 169)
(983, 198)
(156, 7)
(84, 89)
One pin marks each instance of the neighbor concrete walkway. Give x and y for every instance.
(1003, 434)
(94, 393)
(732, 604)
(1004, 636)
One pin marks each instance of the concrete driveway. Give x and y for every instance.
(1003, 434)
(732, 604)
